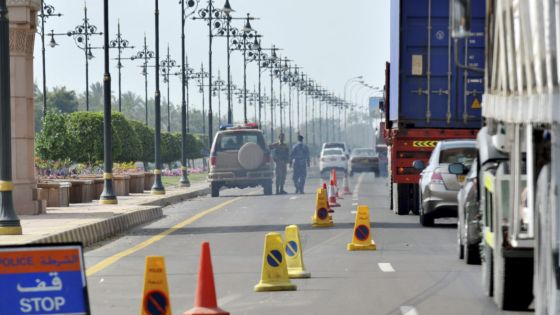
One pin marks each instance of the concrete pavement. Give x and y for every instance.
(414, 271)
(89, 223)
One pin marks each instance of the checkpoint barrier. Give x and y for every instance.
(321, 217)
(205, 302)
(361, 239)
(294, 253)
(155, 299)
(274, 275)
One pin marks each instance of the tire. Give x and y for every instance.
(513, 283)
(215, 189)
(547, 296)
(426, 220)
(267, 188)
(487, 269)
(391, 193)
(461, 247)
(403, 195)
(472, 254)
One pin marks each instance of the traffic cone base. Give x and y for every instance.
(325, 224)
(274, 275)
(352, 246)
(361, 239)
(199, 310)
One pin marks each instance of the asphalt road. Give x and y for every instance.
(415, 270)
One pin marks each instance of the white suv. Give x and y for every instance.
(332, 158)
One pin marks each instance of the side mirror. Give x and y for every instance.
(419, 165)
(457, 169)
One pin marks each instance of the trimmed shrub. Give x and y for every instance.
(52, 142)
(146, 137)
(131, 149)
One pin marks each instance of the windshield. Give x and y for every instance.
(363, 152)
(234, 141)
(458, 155)
(332, 152)
(334, 145)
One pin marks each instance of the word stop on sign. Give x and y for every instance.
(41, 305)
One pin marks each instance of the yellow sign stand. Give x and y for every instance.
(155, 299)
(294, 253)
(361, 240)
(321, 217)
(274, 276)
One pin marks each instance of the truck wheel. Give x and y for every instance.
(416, 199)
(513, 282)
(391, 205)
(267, 188)
(547, 300)
(403, 195)
(487, 269)
(215, 187)
(472, 254)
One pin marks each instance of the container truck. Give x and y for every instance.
(428, 97)
(519, 151)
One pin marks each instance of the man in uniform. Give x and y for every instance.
(280, 154)
(299, 158)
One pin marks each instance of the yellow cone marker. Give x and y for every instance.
(361, 240)
(294, 253)
(274, 276)
(321, 217)
(155, 299)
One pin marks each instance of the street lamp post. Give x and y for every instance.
(271, 64)
(120, 44)
(108, 195)
(9, 221)
(146, 55)
(157, 188)
(167, 65)
(81, 34)
(46, 12)
(218, 88)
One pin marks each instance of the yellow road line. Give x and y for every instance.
(113, 259)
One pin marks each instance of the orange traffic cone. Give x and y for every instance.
(333, 171)
(331, 210)
(345, 188)
(332, 195)
(205, 301)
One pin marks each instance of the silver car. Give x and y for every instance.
(468, 226)
(438, 188)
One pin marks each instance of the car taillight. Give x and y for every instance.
(436, 178)
(213, 161)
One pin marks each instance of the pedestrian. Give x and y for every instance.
(280, 154)
(299, 159)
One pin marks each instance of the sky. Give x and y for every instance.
(332, 41)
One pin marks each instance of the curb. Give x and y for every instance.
(90, 234)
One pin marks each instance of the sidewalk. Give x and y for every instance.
(89, 223)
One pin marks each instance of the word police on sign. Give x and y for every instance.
(43, 279)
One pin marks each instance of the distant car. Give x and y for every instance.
(330, 159)
(437, 187)
(239, 157)
(340, 145)
(363, 160)
(469, 233)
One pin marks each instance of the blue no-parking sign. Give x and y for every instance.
(43, 279)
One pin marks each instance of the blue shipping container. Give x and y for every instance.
(427, 88)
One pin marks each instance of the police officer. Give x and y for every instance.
(299, 158)
(280, 155)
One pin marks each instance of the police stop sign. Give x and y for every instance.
(43, 279)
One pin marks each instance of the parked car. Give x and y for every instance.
(363, 160)
(239, 157)
(469, 233)
(332, 158)
(340, 145)
(437, 187)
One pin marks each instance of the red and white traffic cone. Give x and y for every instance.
(345, 188)
(331, 210)
(332, 195)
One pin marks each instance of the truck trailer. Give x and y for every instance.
(519, 151)
(428, 97)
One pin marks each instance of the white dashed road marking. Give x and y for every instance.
(386, 267)
(353, 211)
(408, 310)
(293, 198)
(354, 204)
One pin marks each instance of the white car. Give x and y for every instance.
(333, 145)
(332, 158)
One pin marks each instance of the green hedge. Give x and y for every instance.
(79, 136)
